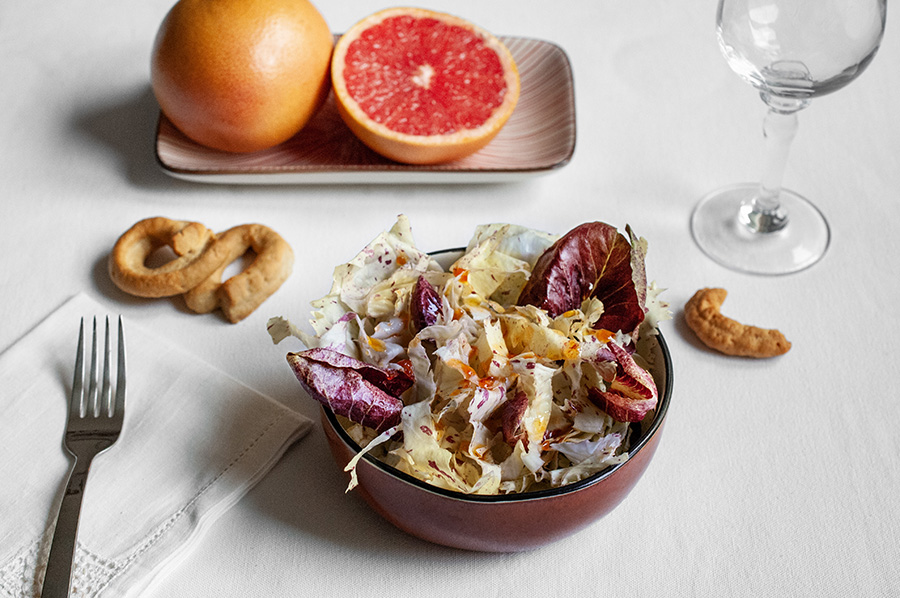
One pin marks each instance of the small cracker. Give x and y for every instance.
(703, 316)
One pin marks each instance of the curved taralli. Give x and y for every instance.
(702, 314)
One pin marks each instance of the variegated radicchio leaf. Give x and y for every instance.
(591, 260)
(363, 393)
(424, 304)
(631, 394)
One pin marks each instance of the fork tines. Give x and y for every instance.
(98, 401)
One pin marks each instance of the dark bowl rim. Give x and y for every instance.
(662, 409)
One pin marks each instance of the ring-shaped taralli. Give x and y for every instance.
(192, 243)
(241, 294)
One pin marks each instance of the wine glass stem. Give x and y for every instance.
(762, 213)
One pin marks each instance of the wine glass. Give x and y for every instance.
(791, 51)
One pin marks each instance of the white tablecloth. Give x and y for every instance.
(773, 478)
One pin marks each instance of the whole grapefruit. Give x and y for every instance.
(241, 75)
(423, 87)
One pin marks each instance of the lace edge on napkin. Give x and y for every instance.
(22, 575)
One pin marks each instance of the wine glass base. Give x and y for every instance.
(718, 232)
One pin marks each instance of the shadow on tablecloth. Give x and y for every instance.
(126, 126)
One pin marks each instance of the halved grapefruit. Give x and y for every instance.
(423, 87)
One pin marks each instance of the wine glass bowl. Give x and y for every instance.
(791, 51)
(799, 49)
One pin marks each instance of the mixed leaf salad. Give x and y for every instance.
(520, 367)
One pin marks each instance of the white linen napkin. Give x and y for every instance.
(194, 442)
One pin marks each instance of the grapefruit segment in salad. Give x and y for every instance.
(462, 378)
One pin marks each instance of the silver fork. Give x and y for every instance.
(94, 424)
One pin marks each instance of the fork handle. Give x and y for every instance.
(58, 576)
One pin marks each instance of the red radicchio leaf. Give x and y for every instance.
(424, 305)
(620, 407)
(361, 392)
(392, 381)
(511, 414)
(631, 394)
(591, 260)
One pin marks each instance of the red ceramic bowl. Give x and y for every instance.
(504, 523)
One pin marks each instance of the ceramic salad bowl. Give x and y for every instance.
(510, 522)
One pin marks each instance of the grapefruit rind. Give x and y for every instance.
(421, 149)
